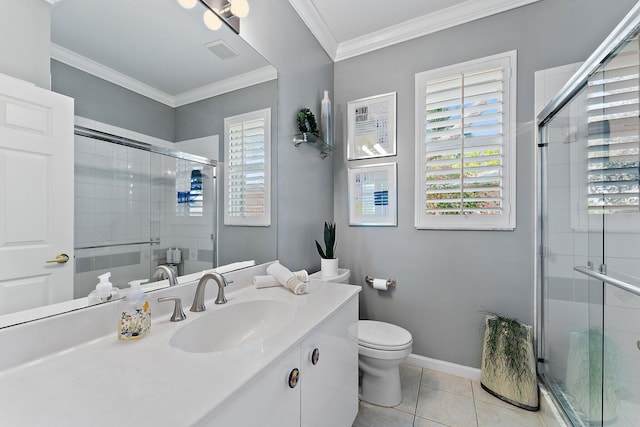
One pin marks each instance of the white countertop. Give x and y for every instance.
(107, 382)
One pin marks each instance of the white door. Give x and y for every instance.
(36, 196)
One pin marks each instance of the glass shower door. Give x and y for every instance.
(590, 240)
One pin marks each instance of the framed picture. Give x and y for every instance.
(373, 195)
(371, 127)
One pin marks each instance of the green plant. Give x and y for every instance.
(307, 122)
(329, 241)
(506, 348)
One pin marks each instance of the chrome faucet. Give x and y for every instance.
(162, 271)
(198, 299)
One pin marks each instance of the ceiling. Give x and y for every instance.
(162, 54)
(154, 47)
(350, 28)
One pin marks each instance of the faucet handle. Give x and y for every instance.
(178, 314)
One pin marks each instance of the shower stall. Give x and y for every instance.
(138, 206)
(588, 291)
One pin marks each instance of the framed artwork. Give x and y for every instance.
(371, 126)
(373, 195)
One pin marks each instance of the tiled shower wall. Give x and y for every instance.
(125, 197)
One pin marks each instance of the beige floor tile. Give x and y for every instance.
(445, 407)
(423, 422)
(410, 382)
(497, 416)
(410, 389)
(447, 382)
(378, 416)
(480, 394)
(410, 373)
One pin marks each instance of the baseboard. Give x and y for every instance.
(443, 366)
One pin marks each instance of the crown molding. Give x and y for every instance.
(92, 67)
(468, 11)
(318, 27)
(241, 81)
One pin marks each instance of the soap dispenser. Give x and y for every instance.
(104, 291)
(135, 314)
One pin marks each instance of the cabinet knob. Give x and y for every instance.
(294, 377)
(315, 356)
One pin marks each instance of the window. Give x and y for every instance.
(605, 172)
(613, 135)
(247, 189)
(465, 145)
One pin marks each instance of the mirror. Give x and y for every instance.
(153, 71)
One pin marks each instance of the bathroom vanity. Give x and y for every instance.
(267, 357)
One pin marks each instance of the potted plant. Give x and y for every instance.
(508, 368)
(592, 375)
(328, 262)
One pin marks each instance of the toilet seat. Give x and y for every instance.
(383, 336)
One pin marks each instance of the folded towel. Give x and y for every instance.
(269, 281)
(287, 278)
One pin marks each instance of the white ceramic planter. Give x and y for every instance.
(329, 267)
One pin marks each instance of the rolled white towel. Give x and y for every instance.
(268, 281)
(302, 275)
(287, 278)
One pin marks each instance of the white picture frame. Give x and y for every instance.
(371, 124)
(373, 195)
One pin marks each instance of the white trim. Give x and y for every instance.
(506, 221)
(92, 67)
(318, 27)
(240, 81)
(444, 366)
(468, 11)
(251, 221)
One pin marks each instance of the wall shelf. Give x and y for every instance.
(314, 141)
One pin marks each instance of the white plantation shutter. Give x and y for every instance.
(613, 147)
(465, 147)
(247, 193)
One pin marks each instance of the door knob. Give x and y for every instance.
(60, 259)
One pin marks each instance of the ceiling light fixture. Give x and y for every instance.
(211, 20)
(188, 4)
(239, 8)
(227, 12)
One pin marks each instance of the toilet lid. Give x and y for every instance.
(381, 335)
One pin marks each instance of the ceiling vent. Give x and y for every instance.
(221, 49)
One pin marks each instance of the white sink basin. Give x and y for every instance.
(223, 328)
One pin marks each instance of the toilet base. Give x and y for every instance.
(382, 387)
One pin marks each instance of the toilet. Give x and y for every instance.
(382, 347)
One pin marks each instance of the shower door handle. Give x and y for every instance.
(60, 259)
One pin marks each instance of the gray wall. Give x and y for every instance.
(206, 118)
(446, 279)
(100, 100)
(305, 182)
(25, 40)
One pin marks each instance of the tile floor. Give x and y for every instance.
(434, 399)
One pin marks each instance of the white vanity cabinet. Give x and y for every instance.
(326, 394)
(329, 386)
(266, 401)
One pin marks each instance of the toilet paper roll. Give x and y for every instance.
(380, 284)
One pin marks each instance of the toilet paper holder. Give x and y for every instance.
(369, 279)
